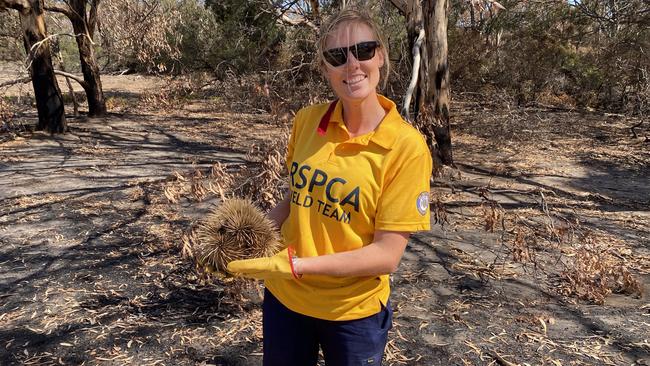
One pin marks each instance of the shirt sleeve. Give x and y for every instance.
(404, 201)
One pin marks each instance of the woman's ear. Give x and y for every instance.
(381, 57)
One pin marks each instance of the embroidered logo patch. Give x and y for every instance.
(422, 203)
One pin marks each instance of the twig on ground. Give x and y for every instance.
(500, 360)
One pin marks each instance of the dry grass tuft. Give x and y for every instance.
(438, 210)
(236, 229)
(175, 189)
(594, 348)
(220, 180)
(188, 243)
(9, 127)
(196, 186)
(492, 215)
(520, 248)
(7, 113)
(175, 94)
(265, 184)
(592, 273)
(588, 265)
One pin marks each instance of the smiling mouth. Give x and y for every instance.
(355, 80)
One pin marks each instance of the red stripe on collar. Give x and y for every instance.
(324, 122)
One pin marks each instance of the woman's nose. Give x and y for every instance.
(352, 61)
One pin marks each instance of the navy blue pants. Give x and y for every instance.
(292, 339)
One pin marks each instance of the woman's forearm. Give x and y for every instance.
(280, 212)
(378, 258)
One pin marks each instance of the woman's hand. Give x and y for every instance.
(277, 266)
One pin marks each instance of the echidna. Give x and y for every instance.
(236, 229)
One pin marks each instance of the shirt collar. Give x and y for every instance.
(386, 132)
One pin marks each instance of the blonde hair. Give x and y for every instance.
(352, 15)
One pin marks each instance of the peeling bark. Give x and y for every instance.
(431, 109)
(436, 92)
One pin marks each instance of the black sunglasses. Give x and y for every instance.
(362, 51)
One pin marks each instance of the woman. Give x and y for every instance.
(359, 186)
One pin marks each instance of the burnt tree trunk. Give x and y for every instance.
(92, 81)
(49, 102)
(434, 75)
(431, 107)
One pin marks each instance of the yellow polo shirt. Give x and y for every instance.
(342, 190)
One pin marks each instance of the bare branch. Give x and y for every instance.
(498, 5)
(37, 45)
(292, 69)
(71, 76)
(295, 19)
(72, 14)
(590, 12)
(17, 81)
(298, 21)
(414, 75)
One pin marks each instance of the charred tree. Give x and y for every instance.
(435, 74)
(83, 24)
(431, 107)
(49, 101)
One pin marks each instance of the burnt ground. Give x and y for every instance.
(539, 252)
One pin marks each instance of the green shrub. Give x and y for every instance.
(534, 49)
